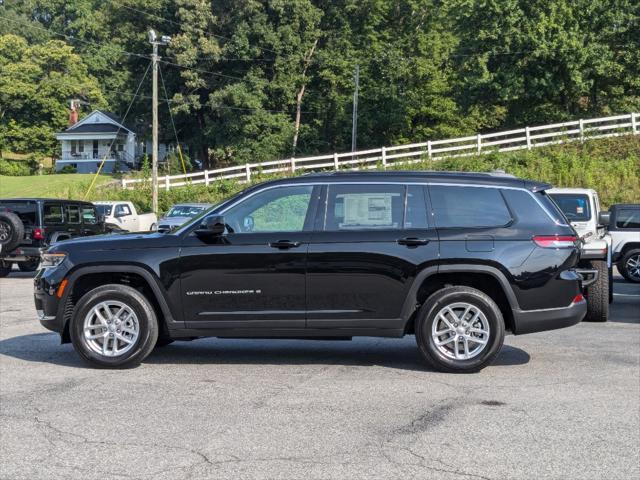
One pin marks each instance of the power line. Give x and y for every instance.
(104, 159)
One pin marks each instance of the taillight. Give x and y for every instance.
(578, 298)
(555, 241)
(38, 233)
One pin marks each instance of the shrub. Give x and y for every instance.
(67, 169)
(17, 168)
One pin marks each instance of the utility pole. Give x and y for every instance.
(154, 41)
(354, 129)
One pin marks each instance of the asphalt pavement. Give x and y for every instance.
(560, 404)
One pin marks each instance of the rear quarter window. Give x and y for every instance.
(468, 207)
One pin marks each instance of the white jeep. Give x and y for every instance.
(624, 228)
(581, 206)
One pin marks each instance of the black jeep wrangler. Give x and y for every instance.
(454, 259)
(29, 225)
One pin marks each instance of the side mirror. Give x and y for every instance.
(212, 226)
(604, 218)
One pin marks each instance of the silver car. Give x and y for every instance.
(181, 213)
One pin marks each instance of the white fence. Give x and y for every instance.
(519, 139)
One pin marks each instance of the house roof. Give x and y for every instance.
(111, 124)
(97, 128)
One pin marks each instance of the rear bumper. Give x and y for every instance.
(530, 321)
(22, 254)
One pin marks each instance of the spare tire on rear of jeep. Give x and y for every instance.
(11, 231)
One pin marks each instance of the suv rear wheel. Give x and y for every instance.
(459, 329)
(598, 294)
(629, 265)
(114, 326)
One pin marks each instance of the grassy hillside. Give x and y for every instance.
(59, 186)
(611, 166)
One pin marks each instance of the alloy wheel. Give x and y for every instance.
(460, 331)
(633, 266)
(111, 328)
(5, 231)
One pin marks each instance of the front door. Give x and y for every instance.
(95, 149)
(372, 242)
(253, 276)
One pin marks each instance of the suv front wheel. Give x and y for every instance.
(114, 326)
(459, 330)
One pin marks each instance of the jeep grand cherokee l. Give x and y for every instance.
(455, 259)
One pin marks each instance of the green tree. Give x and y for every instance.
(539, 61)
(36, 84)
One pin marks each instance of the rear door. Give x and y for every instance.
(370, 242)
(53, 219)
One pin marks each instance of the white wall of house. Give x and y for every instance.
(82, 148)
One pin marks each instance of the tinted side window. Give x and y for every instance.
(416, 210)
(525, 208)
(89, 216)
(364, 207)
(628, 218)
(73, 214)
(468, 207)
(53, 213)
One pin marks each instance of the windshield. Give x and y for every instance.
(575, 206)
(104, 209)
(186, 210)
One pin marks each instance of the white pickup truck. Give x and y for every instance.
(581, 206)
(120, 215)
(624, 228)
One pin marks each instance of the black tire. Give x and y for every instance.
(428, 313)
(30, 266)
(11, 231)
(163, 342)
(5, 269)
(598, 294)
(624, 268)
(147, 321)
(610, 285)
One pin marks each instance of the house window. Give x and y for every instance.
(73, 147)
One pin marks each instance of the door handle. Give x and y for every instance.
(284, 244)
(412, 241)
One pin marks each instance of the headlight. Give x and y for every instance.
(52, 259)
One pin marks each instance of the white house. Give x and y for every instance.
(100, 135)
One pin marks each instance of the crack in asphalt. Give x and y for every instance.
(83, 439)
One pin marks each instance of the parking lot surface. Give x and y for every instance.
(560, 404)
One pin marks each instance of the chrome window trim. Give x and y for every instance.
(446, 184)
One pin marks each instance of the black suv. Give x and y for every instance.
(30, 225)
(456, 259)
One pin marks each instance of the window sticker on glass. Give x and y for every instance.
(367, 209)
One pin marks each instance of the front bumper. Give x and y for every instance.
(530, 321)
(47, 303)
